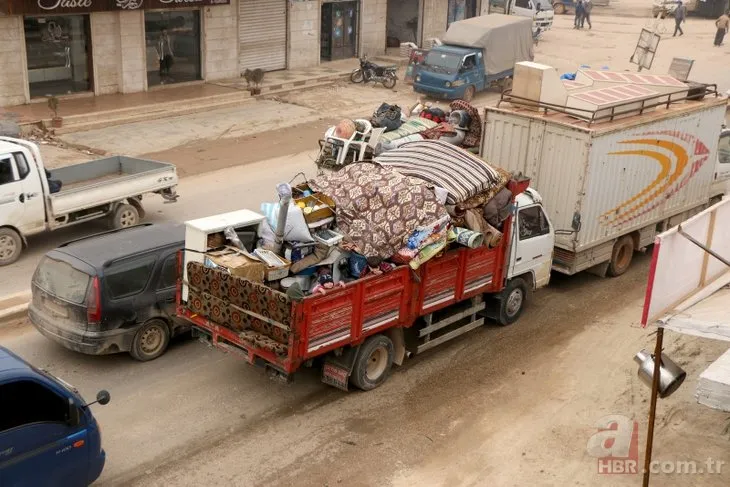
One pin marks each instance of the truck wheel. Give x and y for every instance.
(373, 363)
(469, 93)
(150, 341)
(559, 8)
(11, 245)
(125, 216)
(512, 301)
(623, 253)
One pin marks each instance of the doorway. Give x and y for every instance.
(58, 51)
(172, 41)
(461, 10)
(402, 22)
(339, 30)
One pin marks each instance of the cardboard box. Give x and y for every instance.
(239, 264)
(325, 204)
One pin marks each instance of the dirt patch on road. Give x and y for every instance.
(211, 155)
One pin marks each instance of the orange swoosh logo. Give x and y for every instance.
(665, 162)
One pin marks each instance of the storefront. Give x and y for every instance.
(108, 46)
(461, 10)
(263, 34)
(339, 30)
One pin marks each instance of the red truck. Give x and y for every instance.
(360, 330)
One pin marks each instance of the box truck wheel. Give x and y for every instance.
(124, 216)
(373, 363)
(623, 253)
(512, 301)
(469, 93)
(11, 245)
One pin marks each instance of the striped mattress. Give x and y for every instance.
(439, 163)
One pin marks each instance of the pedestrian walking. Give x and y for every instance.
(587, 7)
(579, 14)
(680, 14)
(722, 24)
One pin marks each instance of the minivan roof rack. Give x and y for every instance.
(101, 234)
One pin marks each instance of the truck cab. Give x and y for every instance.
(451, 72)
(533, 240)
(48, 435)
(721, 182)
(540, 11)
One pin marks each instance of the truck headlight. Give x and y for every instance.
(418, 78)
(448, 84)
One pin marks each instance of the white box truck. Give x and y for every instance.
(610, 186)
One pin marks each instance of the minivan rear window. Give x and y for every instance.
(61, 280)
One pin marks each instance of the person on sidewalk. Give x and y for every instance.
(722, 24)
(587, 7)
(579, 14)
(680, 15)
(165, 55)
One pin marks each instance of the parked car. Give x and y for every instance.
(112, 292)
(48, 435)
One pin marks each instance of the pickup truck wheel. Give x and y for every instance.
(469, 93)
(125, 216)
(150, 341)
(11, 246)
(512, 301)
(623, 253)
(373, 363)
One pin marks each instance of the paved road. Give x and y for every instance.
(217, 192)
(199, 417)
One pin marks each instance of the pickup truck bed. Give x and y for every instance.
(107, 180)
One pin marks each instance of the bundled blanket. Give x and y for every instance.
(413, 125)
(444, 165)
(377, 208)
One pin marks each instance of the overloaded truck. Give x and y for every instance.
(477, 54)
(619, 157)
(362, 328)
(34, 199)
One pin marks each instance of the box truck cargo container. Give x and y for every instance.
(611, 185)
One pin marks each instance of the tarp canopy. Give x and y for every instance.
(687, 289)
(505, 39)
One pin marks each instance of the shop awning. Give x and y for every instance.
(55, 7)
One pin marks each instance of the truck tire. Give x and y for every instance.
(623, 253)
(150, 341)
(11, 246)
(124, 216)
(373, 363)
(559, 9)
(469, 93)
(512, 301)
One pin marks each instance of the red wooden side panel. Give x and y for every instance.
(439, 282)
(345, 316)
(479, 270)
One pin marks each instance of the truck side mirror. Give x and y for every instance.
(103, 397)
(74, 415)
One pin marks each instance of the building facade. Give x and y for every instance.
(96, 47)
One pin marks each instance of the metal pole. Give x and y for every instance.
(652, 407)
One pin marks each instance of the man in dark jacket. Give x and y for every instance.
(587, 7)
(722, 24)
(680, 15)
(580, 12)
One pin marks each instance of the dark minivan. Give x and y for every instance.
(111, 292)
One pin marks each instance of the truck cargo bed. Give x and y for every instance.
(102, 181)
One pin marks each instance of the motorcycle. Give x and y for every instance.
(372, 72)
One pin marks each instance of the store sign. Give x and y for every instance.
(47, 7)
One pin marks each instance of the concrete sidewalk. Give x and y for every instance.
(82, 112)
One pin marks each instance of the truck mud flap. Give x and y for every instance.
(337, 369)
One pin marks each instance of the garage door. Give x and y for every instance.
(262, 34)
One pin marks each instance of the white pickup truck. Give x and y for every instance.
(34, 199)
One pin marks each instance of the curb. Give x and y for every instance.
(13, 307)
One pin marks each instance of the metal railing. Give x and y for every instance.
(629, 107)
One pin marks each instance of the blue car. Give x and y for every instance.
(48, 436)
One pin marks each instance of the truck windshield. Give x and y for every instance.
(61, 280)
(441, 61)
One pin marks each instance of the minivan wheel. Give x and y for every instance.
(11, 246)
(150, 341)
(125, 216)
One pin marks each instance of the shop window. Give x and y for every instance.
(57, 50)
(172, 41)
